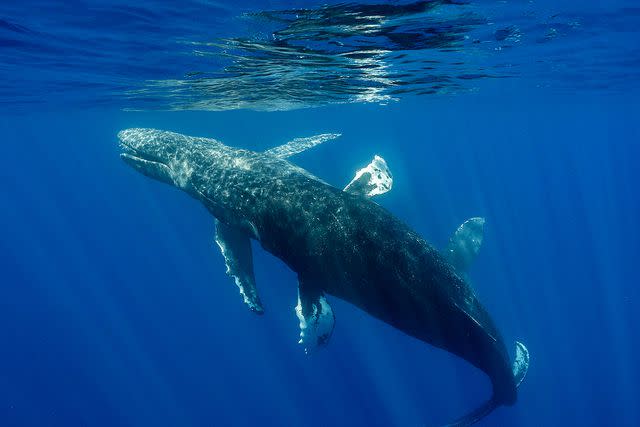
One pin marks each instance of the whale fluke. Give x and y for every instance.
(520, 363)
(520, 367)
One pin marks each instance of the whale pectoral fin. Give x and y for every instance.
(465, 244)
(315, 316)
(372, 180)
(520, 363)
(236, 250)
(299, 145)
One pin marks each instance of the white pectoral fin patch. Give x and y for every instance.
(299, 145)
(316, 319)
(520, 363)
(236, 250)
(465, 244)
(372, 180)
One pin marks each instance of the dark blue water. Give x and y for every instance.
(115, 307)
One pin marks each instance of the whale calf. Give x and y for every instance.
(339, 242)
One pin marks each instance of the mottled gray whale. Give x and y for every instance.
(339, 242)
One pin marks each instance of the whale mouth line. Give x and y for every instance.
(146, 162)
(132, 154)
(134, 157)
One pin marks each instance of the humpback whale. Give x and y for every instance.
(340, 242)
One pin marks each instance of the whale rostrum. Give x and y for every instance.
(341, 244)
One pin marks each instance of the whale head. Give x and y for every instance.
(165, 156)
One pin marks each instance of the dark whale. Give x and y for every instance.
(339, 242)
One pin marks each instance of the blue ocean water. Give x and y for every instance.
(115, 307)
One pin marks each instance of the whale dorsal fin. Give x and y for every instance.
(299, 145)
(235, 246)
(372, 180)
(315, 316)
(465, 244)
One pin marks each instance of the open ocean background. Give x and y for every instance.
(115, 309)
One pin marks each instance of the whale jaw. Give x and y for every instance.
(144, 151)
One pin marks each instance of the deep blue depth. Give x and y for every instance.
(115, 309)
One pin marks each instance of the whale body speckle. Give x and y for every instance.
(339, 242)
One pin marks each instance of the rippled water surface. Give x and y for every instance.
(284, 55)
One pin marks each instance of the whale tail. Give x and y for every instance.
(520, 367)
